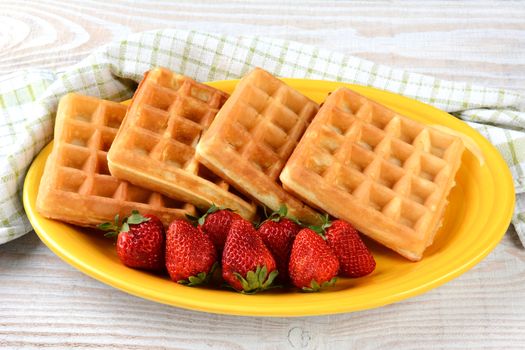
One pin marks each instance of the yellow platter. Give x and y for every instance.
(477, 217)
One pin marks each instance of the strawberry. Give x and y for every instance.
(278, 234)
(216, 224)
(190, 255)
(247, 265)
(313, 265)
(140, 242)
(354, 257)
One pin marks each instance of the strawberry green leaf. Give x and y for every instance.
(257, 223)
(244, 283)
(106, 226)
(194, 280)
(280, 213)
(277, 215)
(112, 228)
(213, 268)
(321, 229)
(211, 210)
(256, 281)
(296, 220)
(194, 220)
(330, 283)
(315, 286)
(253, 279)
(125, 227)
(111, 234)
(201, 278)
(270, 279)
(135, 218)
(261, 274)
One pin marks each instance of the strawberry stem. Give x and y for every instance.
(277, 215)
(195, 220)
(321, 229)
(114, 228)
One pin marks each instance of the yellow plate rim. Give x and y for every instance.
(496, 231)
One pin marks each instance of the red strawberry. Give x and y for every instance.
(278, 234)
(140, 242)
(190, 254)
(313, 264)
(354, 257)
(216, 224)
(247, 265)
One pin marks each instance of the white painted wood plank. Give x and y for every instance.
(477, 42)
(45, 303)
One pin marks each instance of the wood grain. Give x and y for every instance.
(482, 41)
(45, 303)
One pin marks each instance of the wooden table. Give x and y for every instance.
(46, 303)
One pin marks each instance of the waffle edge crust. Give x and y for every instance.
(76, 186)
(386, 174)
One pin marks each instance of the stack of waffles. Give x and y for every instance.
(183, 145)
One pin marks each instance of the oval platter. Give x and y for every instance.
(475, 220)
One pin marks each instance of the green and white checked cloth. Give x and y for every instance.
(28, 100)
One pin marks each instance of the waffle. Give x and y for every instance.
(155, 147)
(76, 186)
(385, 173)
(252, 137)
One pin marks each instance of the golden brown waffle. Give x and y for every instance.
(385, 173)
(76, 186)
(155, 146)
(252, 137)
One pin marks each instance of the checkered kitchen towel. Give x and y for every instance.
(28, 100)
